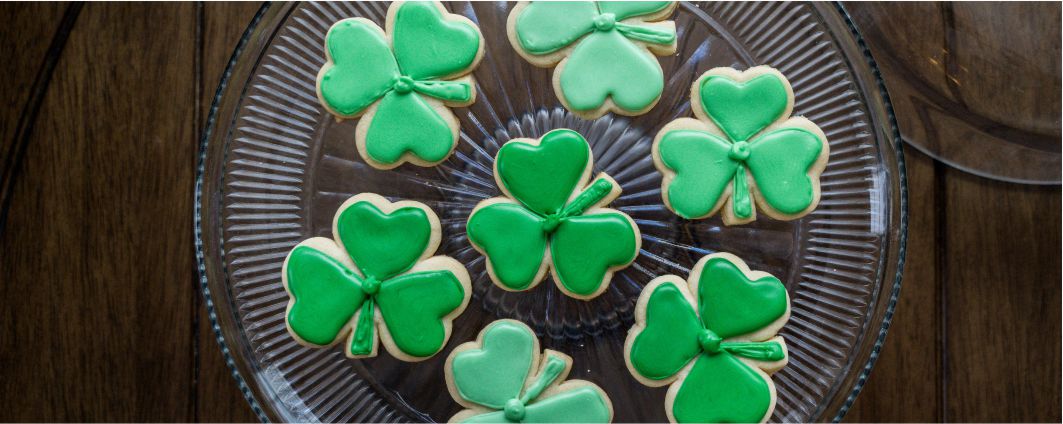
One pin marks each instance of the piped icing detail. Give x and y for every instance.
(604, 51)
(549, 207)
(375, 281)
(743, 152)
(713, 339)
(502, 377)
(402, 81)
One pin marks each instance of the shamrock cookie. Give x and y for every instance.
(501, 377)
(402, 82)
(713, 338)
(376, 281)
(551, 215)
(743, 146)
(604, 51)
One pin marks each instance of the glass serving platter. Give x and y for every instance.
(275, 167)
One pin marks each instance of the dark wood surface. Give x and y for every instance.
(103, 319)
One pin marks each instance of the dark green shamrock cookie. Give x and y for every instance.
(551, 218)
(375, 281)
(713, 339)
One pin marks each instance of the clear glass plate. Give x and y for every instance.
(276, 166)
(969, 90)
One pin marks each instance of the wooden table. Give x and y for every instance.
(103, 318)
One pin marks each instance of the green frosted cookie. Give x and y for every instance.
(375, 281)
(552, 218)
(743, 153)
(605, 52)
(503, 378)
(402, 82)
(712, 338)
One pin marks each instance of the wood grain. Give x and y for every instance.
(1002, 301)
(32, 43)
(942, 364)
(913, 345)
(24, 41)
(219, 400)
(97, 317)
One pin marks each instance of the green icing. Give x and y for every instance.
(326, 294)
(495, 373)
(743, 203)
(366, 70)
(591, 195)
(719, 387)
(584, 247)
(669, 340)
(580, 405)
(363, 341)
(406, 123)
(732, 305)
(515, 259)
(758, 351)
(428, 46)
(702, 170)
(364, 67)
(712, 344)
(594, 73)
(545, 27)
(494, 376)
(542, 179)
(742, 109)
(413, 306)
(778, 160)
(383, 245)
(449, 91)
(628, 9)
(744, 398)
(551, 371)
(645, 34)
(605, 61)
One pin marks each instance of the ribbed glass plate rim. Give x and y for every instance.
(255, 40)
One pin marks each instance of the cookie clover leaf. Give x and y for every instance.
(744, 147)
(377, 281)
(401, 82)
(552, 216)
(604, 51)
(501, 377)
(713, 338)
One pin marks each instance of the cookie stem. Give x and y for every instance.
(553, 369)
(762, 351)
(448, 91)
(589, 197)
(362, 343)
(646, 34)
(743, 206)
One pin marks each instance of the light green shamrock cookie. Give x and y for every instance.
(551, 216)
(377, 280)
(604, 51)
(401, 82)
(713, 338)
(502, 378)
(743, 148)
